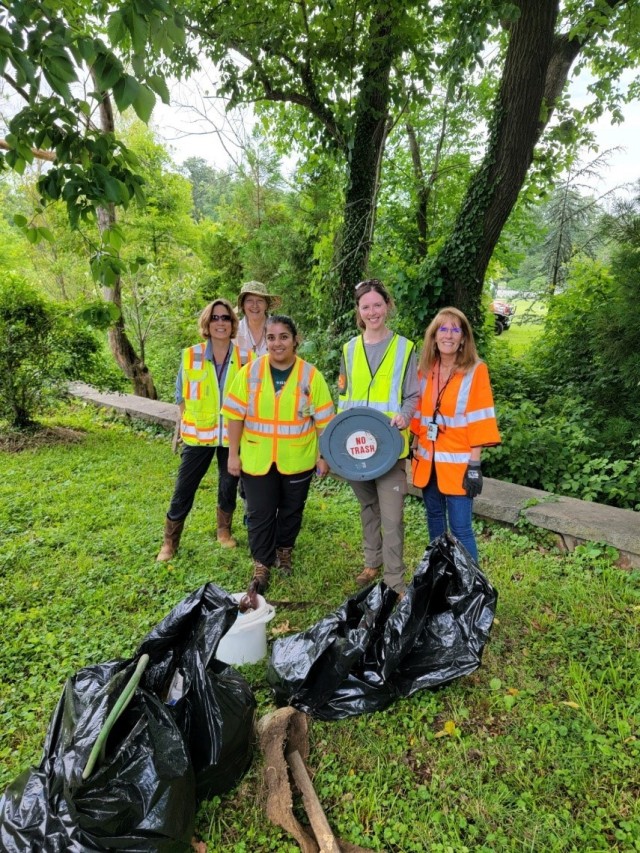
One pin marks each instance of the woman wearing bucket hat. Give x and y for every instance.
(254, 302)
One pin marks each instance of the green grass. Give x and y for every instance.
(538, 750)
(526, 327)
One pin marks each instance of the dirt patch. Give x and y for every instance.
(15, 441)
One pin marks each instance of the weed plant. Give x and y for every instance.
(538, 750)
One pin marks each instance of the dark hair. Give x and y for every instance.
(367, 286)
(272, 319)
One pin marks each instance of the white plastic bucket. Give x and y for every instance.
(246, 639)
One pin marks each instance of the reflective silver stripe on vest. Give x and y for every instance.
(193, 390)
(455, 458)
(379, 407)
(481, 415)
(456, 421)
(253, 380)
(465, 389)
(198, 357)
(423, 453)
(258, 426)
(397, 377)
(349, 402)
(231, 404)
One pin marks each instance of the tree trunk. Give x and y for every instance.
(364, 161)
(536, 68)
(128, 360)
(424, 185)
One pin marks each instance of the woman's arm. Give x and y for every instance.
(234, 429)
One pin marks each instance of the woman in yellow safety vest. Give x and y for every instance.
(379, 370)
(276, 409)
(454, 421)
(206, 372)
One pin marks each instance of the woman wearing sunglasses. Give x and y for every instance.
(454, 421)
(206, 372)
(378, 370)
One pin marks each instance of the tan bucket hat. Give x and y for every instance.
(257, 288)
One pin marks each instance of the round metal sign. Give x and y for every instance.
(360, 444)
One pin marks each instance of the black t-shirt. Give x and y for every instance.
(280, 377)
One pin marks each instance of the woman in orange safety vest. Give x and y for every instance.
(454, 421)
(277, 408)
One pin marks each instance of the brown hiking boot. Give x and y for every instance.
(367, 576)
(224, 536)
(261, 574)
(283, 560)
(172, 534)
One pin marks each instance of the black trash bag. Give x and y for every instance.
(213, 704)
(139, 798)
(371, 650)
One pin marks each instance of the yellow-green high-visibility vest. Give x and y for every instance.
(381, 391)
(202, 422)
(280, 428)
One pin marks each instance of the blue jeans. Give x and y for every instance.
(454, 509)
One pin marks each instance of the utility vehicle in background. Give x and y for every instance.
(503, 314)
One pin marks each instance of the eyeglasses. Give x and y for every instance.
(220, 318)
(455, 330)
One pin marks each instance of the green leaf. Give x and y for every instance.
(125, 92)
(116, 28)
(20, 220)
(99, 314)
(144, 103)
(159, 86)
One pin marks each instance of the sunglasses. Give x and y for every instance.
(372, 282)
(220, 318)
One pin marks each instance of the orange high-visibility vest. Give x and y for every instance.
(202, 422)
(281, 427)
(466, 419)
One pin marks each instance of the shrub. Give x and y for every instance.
(42, 347)
(25, 350)
(550, 448)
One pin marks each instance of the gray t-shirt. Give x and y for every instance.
(410, 387)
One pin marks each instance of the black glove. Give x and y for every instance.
(472, 480)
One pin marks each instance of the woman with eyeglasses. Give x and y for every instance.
(454, 421)
(206, 372)
(379, 370)
(254, 303)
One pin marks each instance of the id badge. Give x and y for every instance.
(432, 431)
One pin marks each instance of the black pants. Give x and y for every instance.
(194, 464)
(275, 503)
